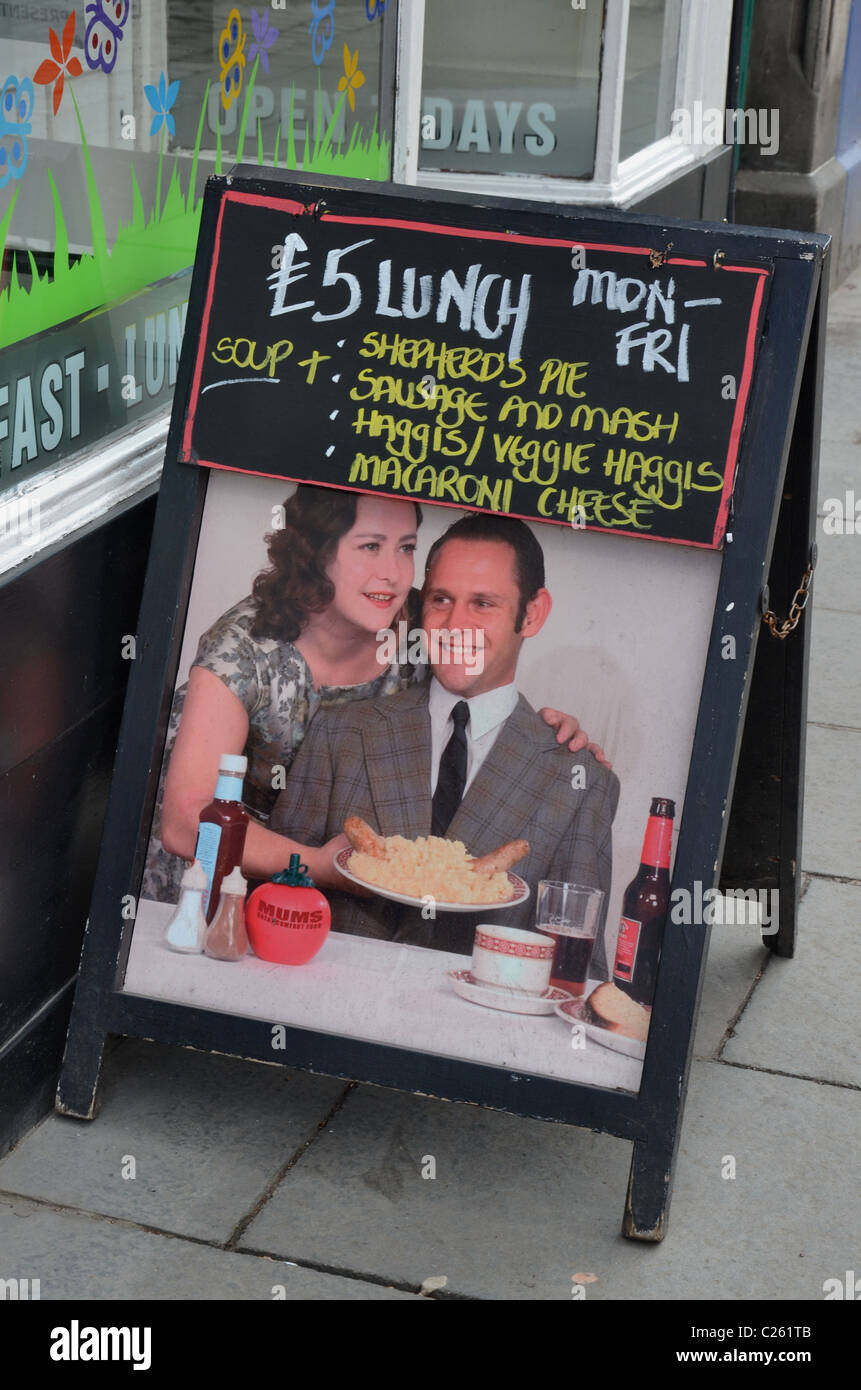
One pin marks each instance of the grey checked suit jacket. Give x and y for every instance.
(371, 758)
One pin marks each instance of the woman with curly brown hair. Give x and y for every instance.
(341, 569)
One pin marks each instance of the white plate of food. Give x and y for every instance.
(603, 1020)
(413, 871)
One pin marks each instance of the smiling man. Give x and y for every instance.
(463, 755)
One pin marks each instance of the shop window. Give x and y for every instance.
(112, 114)
(511, 89)
(651, 73)
(565, 100)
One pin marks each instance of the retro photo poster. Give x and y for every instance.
(624, 658)
(417, 453)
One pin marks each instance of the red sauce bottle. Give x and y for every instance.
(222, 827)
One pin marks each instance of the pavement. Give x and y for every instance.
(205, 1177)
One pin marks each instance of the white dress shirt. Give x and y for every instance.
(487, 714)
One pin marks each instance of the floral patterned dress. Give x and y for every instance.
(274, 683)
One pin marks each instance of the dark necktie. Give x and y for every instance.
(452, 772)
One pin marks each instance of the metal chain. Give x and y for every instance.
(799, 603)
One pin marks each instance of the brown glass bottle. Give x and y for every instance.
(221, 830)
(644, 908)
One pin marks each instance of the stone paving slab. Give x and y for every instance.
(518, 1207)
(76, 1256)
(832, 805)
(840, 445)
(840, 385)
(839, 473)
(837, 579)
(833, 694)
(207, 1134)
(501, 1218)
(845, 302)
(802, 1018)
(736, 956)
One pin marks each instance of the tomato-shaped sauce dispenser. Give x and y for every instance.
(288, 919)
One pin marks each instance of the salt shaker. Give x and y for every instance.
(186, 929)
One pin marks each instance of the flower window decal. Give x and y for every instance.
(161, 99)
(352, 78)
(60, 65)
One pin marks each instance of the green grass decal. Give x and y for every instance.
(138, 219)
(158, 175)
(240, 143)
(150, 247)
(192, 180)
(6, 219)
(97, 221)
(61, 236)
(291, 143)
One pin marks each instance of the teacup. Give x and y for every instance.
(510, 958)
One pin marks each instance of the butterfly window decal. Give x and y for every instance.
(104, 32)
(231, 56)
(16, 110)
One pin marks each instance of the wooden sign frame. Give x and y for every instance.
(790, 354)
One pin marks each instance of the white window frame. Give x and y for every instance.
(704, 42)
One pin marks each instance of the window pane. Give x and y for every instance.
(297, 90)
(106, 138)
(651, 64)
(511, 89)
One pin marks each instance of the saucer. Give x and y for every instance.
(510, 1001)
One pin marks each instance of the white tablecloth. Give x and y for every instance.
(374, 990)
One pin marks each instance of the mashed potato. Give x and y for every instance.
(430, 866)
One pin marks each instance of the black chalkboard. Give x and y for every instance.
(432, 354)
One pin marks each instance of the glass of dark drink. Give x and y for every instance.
(570, 914)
